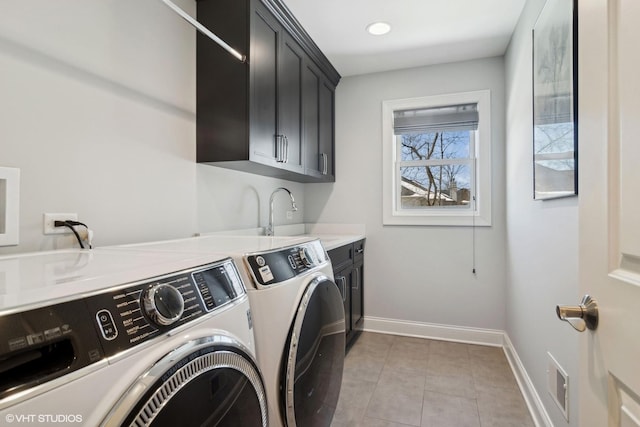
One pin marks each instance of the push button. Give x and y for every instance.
(107, 325)
(292, 262)
(266, 274)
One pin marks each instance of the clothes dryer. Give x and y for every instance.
(114, 337)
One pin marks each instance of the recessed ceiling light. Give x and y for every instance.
(378, 28)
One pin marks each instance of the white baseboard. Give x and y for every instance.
(491, 337)
(531, 397)
(434, 331)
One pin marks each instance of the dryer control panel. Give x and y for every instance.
(129, 315)
(276, 266)
(40, 344)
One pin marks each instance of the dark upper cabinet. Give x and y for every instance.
(290, 104)
(311, 81)
(327, 128)
(263, 86)
(318, 97)
(273, 115)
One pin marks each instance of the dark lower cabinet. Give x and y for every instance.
(343, 279)
(274, 114)
(348, 273)
(356, 291)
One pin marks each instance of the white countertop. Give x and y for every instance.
(42, 278)
(332, 241)
(36, 278)
(331, 235)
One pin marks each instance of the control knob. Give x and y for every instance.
(163, 304)
(305, 257)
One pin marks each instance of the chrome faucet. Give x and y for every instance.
(294, 208)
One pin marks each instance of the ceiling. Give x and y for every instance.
(423, 32)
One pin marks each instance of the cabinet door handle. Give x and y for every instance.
(280, 148)
(286, 149)
(325, 166)
(343, 282)
(359, 251)
(357, 281)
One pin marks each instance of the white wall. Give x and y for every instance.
(421, 274)
(542, 239)
(97, 109)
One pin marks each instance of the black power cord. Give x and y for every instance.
(70, 224)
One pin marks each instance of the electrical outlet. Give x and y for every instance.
(50, 218)
(289, 214)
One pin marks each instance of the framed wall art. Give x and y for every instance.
(555, 101)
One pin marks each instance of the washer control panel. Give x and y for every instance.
(272, 267)
(138, 312)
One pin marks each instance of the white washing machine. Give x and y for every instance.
(116, 337)
(300, 332)
(298, 315)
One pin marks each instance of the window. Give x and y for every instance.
(437, 160)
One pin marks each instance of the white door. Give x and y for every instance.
(609, 186)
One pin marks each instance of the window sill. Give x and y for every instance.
(437, 220)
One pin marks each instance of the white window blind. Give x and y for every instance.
(425, 120)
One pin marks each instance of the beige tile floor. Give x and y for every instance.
(393, 381)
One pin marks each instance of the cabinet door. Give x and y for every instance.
(290, 59)
(318, 107)
(264, 80)
(356, 293)
(311, 81)
(326, 129)
(343, 280)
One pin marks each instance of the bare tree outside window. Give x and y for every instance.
(436, 169)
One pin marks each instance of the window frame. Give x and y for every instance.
(480, 212)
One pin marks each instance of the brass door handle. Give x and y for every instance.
(580, 317)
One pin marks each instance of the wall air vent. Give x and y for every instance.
(558, 385)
